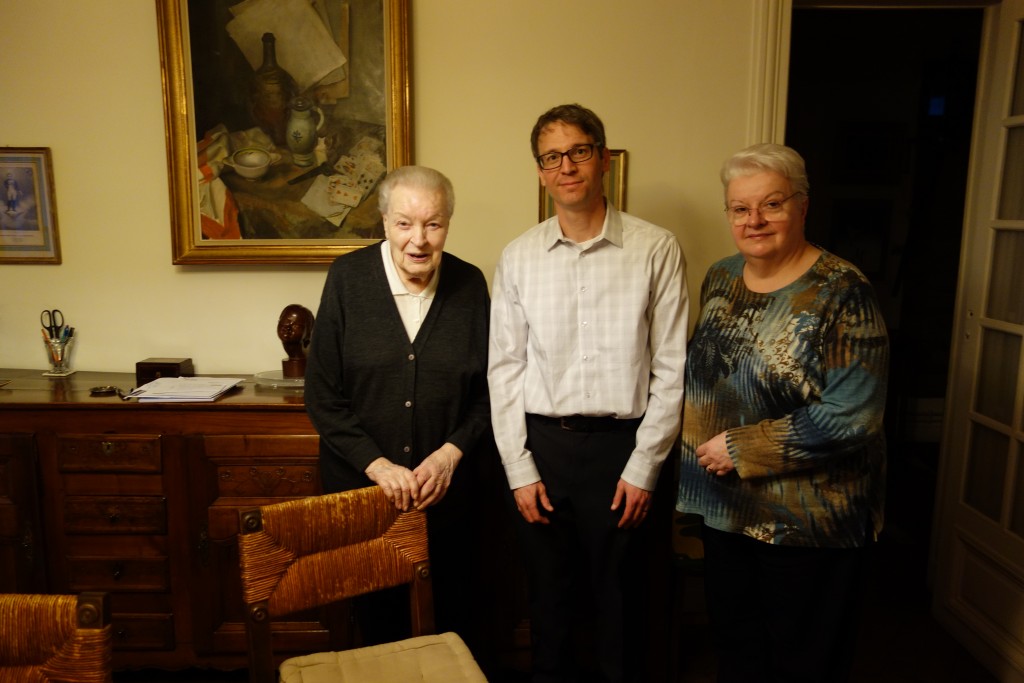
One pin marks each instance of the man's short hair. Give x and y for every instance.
(573, 115)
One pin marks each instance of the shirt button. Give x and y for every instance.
(408, 404)
(586, 357)
(412, 356)
(585, 323)
(406, 449)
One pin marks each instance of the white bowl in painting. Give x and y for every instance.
(252, 162)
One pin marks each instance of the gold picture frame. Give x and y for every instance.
(28, 216)
(614, 186)
(268, 220)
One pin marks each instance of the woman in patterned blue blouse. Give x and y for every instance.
(783, 448)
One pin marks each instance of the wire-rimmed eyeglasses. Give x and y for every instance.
(769, 209)
(577, 154)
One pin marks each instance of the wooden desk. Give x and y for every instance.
(141, 500)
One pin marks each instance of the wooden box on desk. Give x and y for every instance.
(154, 368)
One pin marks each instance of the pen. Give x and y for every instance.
(50, 348)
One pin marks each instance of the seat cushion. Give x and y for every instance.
(431, 659)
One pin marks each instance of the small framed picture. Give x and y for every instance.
(614, 186)
(28, 217)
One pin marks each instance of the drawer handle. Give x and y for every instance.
(118, 571)
(121, 634)
(107, 447)
(27, 545)
(113, 515)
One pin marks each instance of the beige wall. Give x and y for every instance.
(670, 79)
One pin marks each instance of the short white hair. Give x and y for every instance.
(767, 157)
(419, 177)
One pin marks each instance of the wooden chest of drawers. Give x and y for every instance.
(142, 501)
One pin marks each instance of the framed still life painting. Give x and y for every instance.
(282, 116)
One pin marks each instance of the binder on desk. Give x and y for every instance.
(184, 389)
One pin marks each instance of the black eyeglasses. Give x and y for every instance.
(577, 154)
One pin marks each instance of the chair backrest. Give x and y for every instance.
(65, 638)
(314, 551)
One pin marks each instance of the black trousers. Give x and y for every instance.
(579, 566)
(782, 613)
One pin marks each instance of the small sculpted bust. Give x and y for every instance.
(294, 329)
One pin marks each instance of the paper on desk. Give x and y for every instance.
(183, 389)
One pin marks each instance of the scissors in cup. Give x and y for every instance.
(52, 321)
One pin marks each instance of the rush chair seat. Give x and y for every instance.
(315, 551)
(55, 638)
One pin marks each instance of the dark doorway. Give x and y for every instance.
(880, 105)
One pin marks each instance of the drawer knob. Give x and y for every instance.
(118, 571)
(113, 515)
(107, 447)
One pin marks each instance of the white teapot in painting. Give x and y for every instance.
(305, 121)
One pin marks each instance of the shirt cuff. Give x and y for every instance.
(640, 476)
(522, 472)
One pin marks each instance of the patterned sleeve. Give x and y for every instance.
(848, 414)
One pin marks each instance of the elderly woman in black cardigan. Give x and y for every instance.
(396, 374)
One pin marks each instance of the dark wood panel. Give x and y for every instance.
(109, 453)
(115, 515)
(22, 567)
(111, 574)
(143, 631)
(235, 472)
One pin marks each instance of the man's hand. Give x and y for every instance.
(434, 474)
(398, 483)
(638, 502)
(527, 498)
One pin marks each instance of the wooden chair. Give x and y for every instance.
(58, 638)
(311, 552)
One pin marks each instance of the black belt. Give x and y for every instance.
(583, 423)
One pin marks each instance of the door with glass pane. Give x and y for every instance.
(978, 558)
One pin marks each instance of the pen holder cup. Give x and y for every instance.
(58, 353)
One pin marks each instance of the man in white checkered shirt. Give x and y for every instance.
(587, 346)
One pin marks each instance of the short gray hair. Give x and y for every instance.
(768, 157)
(419, 177)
